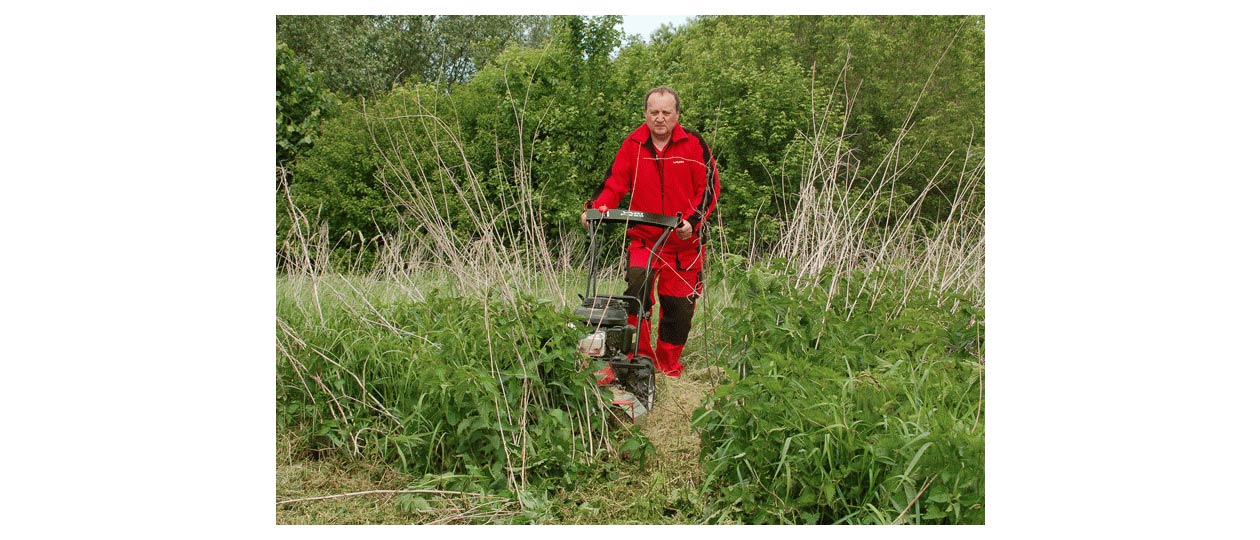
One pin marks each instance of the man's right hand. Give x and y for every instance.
(603, 209)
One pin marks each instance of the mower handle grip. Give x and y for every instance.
(632, 217)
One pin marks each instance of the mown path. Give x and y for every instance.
(665, 489)
(662, 490)
(669, 424)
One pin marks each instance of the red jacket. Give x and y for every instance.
(681, 179)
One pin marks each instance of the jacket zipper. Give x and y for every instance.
(660, 173)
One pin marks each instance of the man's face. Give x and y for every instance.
(662, 114)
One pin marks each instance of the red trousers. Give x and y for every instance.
(675, 275)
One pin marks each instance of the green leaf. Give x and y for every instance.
(941, 497)
(917, 455)
(631, 444)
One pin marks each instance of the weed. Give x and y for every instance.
(828, 420)
(490, 395)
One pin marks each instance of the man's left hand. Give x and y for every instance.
(684, 231)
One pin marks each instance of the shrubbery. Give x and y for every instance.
(484, 394)
(906, 94)
(835, 419)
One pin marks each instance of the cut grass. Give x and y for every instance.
(334, 490)
(300, 475)
(664, 490)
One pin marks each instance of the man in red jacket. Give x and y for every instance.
(667, 169)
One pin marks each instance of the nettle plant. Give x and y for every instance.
(482, 394)
(873, 416)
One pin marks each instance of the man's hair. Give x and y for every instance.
(663, 90)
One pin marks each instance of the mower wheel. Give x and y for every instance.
(645, 386)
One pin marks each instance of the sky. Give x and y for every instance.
(643, 25)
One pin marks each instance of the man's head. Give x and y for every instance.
(660, 109)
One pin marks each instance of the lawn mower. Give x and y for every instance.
(632, 378)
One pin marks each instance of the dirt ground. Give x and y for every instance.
(669, 425)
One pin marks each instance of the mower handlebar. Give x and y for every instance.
(632, 217)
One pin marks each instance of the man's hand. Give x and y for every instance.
(603, 209)
(684, 231)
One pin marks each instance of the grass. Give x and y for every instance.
(669, 486)
(663, 490)
(334, 490)
(667, 489)
(301, 474)
(363, 488)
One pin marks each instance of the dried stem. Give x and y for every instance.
(926, 483)
(387, 492)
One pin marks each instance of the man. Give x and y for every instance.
(667, 169)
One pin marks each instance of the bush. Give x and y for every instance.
(835, 420)
(481, 393)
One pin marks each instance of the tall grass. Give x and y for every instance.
(844, 216)
(467, 393)
(846, 219)
(842, 420)
(485, 242)
(489, 392)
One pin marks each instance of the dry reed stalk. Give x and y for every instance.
(470, 513)
(515, 485)
(297, 365)
(387, 492)
(300, 224)
(487, 258)
(375, 405)
(926, 483)
(846, 220)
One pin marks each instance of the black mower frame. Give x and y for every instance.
(616, 216)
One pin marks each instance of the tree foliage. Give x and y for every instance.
(366, 55)
(339, 184)
(302, 104)
(543, 102)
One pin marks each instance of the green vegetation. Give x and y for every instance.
(427, 257)
(802, 415)
(543, 115)
(835, 418)
(476, 393)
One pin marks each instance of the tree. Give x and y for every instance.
(547, 116)
(337, 184)
(302, 105)
(366, 55)
(551, 117)
(752, 85)
(923, 73)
